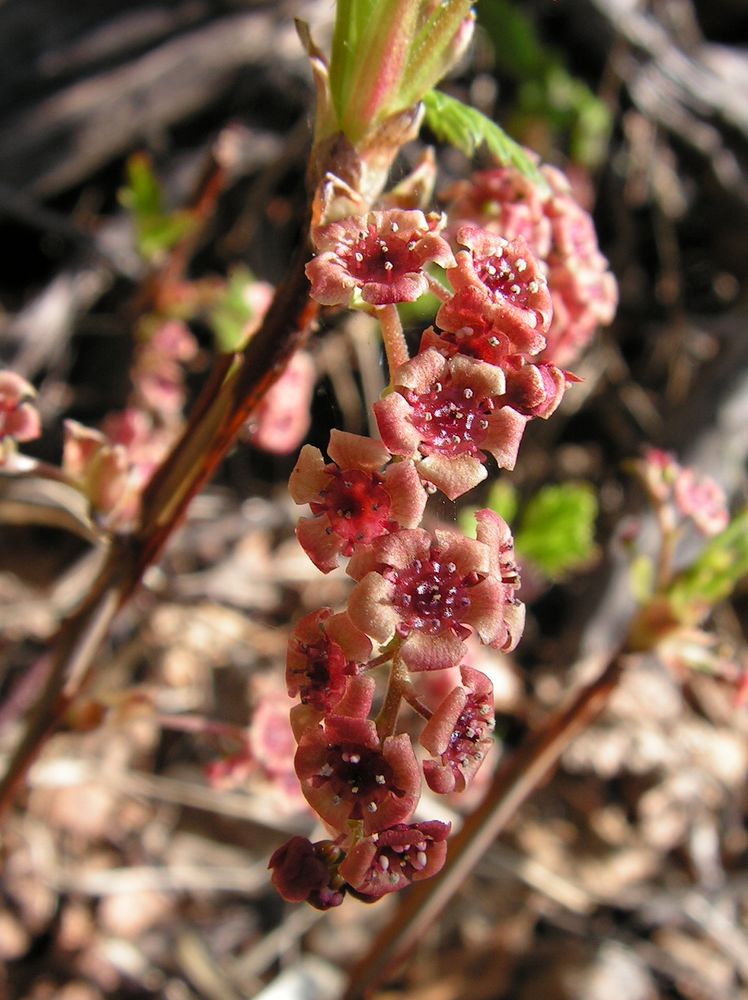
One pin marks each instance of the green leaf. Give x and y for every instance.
(564, 104)
(156, 230)
(642, 577)
(468, 129)
(712, 577)
(517, 46)
(503, 499)
(557, 528)
(231, 314)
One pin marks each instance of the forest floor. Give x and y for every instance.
(134, 864)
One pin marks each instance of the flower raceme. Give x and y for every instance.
(487, 365)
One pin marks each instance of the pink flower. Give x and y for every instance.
(306, 872)
(503, 280)
(430, 591)
(157, 373)
(394, 858)
(561, 235)
(504, 201)
(459, 734)
(447, 412)
(19, 420)
(282, 418)
(352, 502)
(383, 254)
(271, 739)
(494, 532)
(534, 390)
(702, 500)
(659, 471)
(348, 774)
(100, 469)
(317, 669)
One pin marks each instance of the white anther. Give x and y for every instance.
(521, 264)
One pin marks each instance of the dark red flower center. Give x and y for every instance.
(508, 279)
(357, 775)
(356, 504)
(430, 596)
(374, 258)
(325, 673)
(452, 420)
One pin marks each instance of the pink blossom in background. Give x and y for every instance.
(282, 418)
(702, 500)
(19, 419)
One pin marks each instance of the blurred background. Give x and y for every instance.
(135, 865)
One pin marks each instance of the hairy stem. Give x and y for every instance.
(387, 718)
(393, 337)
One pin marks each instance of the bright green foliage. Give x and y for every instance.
(557, 526)
(156, 230)
(712, 577)
(231, 314)
(387, 54)
(467, 129)
(504, 500)
(547, 91)
(642, 576)
(557, 529)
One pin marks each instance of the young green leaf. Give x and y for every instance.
(156, 230)
(231, 314)
(713, 575)
(468, 129)
(557, 528)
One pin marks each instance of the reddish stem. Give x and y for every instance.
(393, 337)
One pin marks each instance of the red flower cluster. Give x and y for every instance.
(562, 237)
(482, 372)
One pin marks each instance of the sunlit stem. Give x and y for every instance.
(398, 682)
(415, 702)
(437, 288)
(393, 337)
(668, 539)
